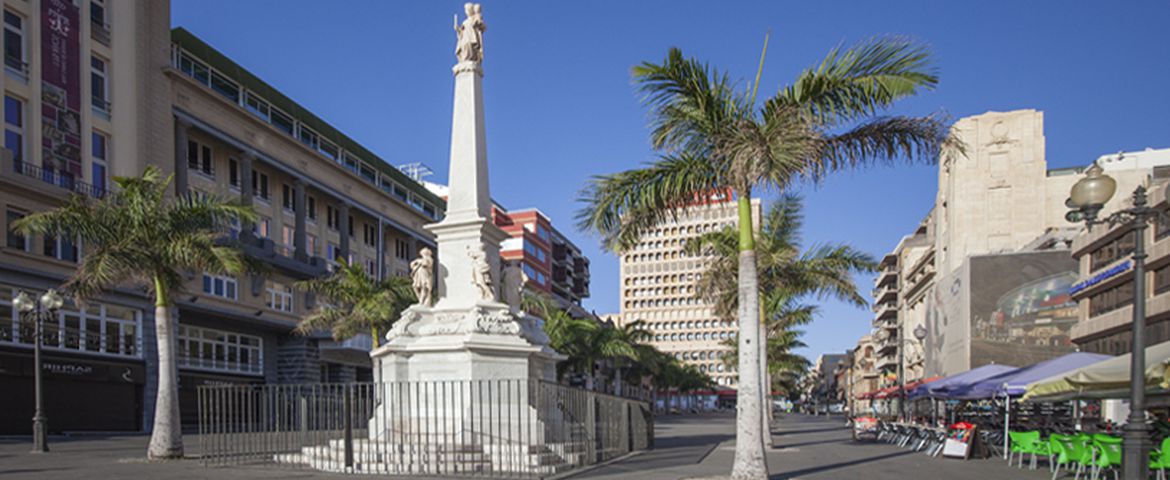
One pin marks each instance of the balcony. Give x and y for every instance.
(886, 294)
(99, 31)
(885, 311)
(46, 181)
(282, 257)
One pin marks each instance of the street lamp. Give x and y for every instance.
(1087, 198)
(38, 309)
(919, 334)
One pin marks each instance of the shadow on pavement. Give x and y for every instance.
(833, 466)
(777, 445)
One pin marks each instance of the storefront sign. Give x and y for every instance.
(73, 369)
(61, 87)
(1101, 277)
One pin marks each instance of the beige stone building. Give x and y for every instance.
(864, 374)
(657, 287)
(161, 97)
(998, 198)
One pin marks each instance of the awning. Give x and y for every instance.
(1106, 379)
(1015, 382)
(943, 387)
(895, 391)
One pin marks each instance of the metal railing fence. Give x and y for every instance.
(479, 428)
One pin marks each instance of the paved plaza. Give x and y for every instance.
(698, 446)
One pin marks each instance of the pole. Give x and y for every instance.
(901, 373)
(1007, 418)
(40, 433)
(1136, 436)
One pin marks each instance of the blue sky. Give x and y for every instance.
(560, 105)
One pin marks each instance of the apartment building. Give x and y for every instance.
(658, 288)
(166, 98)
(553, 264)
(863, 374)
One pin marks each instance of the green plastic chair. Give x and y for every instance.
(1107, 455)
(1071, 452)
(1021, 443)
(1160, 459)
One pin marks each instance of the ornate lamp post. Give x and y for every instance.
(38, 309)
(1087, 198)
(919, 334)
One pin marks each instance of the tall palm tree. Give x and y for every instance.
(712, 136)
(138, 235)
(355, 302)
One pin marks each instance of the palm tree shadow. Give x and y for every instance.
(792, 475)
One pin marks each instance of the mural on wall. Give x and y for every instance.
(1010, 309)
(1021, 312)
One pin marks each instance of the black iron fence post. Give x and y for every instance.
(348, 422)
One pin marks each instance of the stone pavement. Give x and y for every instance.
(806, 448)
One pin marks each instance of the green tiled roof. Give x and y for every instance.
(189, 42)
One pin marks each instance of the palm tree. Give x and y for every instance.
(785, 271)
(586, 341)
(713, 137)
(634, 335)
(140, 236)
(355, 303)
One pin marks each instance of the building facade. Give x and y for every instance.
(997, 198)
(165, 98)
(657, 282)
(863, 374)
(1104, 288)
(553, 264)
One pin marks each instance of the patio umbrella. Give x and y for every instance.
(1013, 383)
(943, 387)
(1106, 379)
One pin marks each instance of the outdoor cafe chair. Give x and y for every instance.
(1106, 455)
(1070, 451)
(1160, 459)
(1025, 443)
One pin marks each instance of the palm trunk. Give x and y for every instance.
(750, 462)
(166, 438)
(766, 417)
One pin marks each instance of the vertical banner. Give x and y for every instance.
(61, 88)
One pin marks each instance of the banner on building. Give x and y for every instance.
(61, 88)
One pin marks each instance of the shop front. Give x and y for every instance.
(80, 393)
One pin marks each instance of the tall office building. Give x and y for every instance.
(658, 287)
(160, 97)
(553, 264)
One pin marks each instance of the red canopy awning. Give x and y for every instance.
(896, 391)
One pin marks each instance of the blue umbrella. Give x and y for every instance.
(943, 388)
(1015, 382)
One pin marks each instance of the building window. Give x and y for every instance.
(331, 217)
(401, 249)
(218, 350)
(233, 173)
(307, 137)
(349, 225)
(15, 240)
(14, 128)
(543, 233)
(260, 185)
(287, 240)
(219, 286)
(1112, 299)
(260, 228)
(312, 208)
(280, 297)
(1162, 280)
(14, 52)
(99, 88)
(99, 172)
(61, 248)
(282, 121)
(286, 197)
(97, 13)
(370, 234)
(99, 328)
(371, 268)
(199, 158)
(311, 244)
(256, 105)
(225, 87)
(1115, 250)
(536, 251)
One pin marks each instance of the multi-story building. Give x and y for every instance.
(658, 287)
(553, 264)
(863, 374)
(997, 199)
(166, 98)
(1104, 289)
